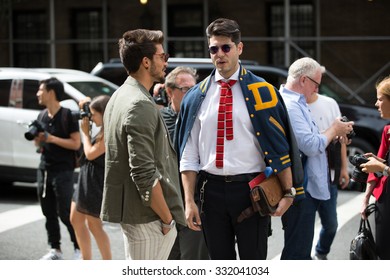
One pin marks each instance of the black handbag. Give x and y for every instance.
(363, 245)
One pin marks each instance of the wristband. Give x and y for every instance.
(171, 225)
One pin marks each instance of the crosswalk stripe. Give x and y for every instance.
(18, 217)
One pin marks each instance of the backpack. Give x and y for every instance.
(65, 126)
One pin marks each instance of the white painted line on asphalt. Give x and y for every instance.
(345, 212)
(18, 217)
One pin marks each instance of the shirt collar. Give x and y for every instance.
(235, 76)
(300, 98)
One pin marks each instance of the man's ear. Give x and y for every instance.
(240, 48)
(169, 91)
(52, 92)
(145, 62)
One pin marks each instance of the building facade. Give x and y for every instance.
(350, 38)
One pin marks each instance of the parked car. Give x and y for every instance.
(19, 106)
(368, 124)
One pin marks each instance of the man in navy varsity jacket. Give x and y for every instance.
(219, 157)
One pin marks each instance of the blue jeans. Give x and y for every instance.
(328, 215)
(298, 225)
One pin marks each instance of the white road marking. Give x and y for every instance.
(18, 217)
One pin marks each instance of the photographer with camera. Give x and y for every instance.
(379, 186)
(87, 198)
(303, 82)
(58, 138)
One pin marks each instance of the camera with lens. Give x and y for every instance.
(352, 133)
(358, 177)
(33, 130)
(85, 112)
(161, 98)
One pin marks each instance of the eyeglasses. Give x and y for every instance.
(182, 89)
(163, 56)
(317, 84)
(225, 48)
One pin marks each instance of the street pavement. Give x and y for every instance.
(23, 235)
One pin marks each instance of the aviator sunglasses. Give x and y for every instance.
(163, 56)
(225, 48)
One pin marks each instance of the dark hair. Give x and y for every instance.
(55, 85)
(137, 44)
(224, 27)
(99, 104)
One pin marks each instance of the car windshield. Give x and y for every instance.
(92, 89)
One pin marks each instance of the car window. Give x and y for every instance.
(273, 78)
(19, 93)
(92, 89)
(5, 86)
(30, 100)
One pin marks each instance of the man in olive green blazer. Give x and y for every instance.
(141, 188)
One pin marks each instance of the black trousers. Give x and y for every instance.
(223, 203)
(55, 190)
(382, 224)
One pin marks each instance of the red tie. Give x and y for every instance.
(225, 119)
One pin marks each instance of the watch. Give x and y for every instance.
(290, 193)
(386, 171)
(172, 224)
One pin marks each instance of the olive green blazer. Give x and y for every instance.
(138, 152)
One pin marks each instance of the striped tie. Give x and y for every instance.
(225, 119)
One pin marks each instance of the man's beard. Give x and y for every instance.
(155, 74)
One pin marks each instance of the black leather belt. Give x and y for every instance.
(231, 178)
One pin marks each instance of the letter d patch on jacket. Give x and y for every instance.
(264, 94)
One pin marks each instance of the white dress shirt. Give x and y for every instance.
(242, 155)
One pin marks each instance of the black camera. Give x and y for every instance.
(85, 112)
(33, 130)
(161, 98)
(358, 177)
(352, 133)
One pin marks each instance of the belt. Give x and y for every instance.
(229, 178)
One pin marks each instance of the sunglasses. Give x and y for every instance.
(163, 56)
(225, 48)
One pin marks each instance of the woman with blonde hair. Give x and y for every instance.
(379, 187)
(87, 198)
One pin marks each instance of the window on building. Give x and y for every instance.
(29, 28)
(87, 26)
(302, 24)
(185, 23)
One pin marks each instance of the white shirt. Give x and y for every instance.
(324, 111)
(242, 155)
